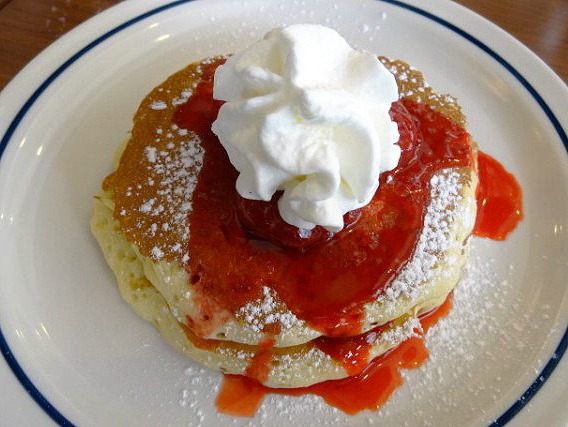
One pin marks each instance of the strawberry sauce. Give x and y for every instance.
(499, 200)
(237, 246)
(327, 283)
(369, 389)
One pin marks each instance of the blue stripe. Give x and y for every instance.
(506, 416)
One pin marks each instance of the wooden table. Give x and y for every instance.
(28, 26)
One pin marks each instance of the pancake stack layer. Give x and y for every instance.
(142, 221)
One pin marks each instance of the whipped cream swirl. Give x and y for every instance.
(307, 114)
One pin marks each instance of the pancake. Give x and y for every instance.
(141, 221)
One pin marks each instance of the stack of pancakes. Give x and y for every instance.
(141, 221)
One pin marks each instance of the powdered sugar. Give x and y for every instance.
(238, 354)
(157, 253)
(146, 207)
(258, 314)
(410, 328)
(173, 174)
(195, 378)
(151, 153)
(435, 240)
(158, 105)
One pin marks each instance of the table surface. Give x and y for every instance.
(29, 26)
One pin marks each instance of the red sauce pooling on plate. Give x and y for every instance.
(369, 389)
(499, 200)
(328, 284)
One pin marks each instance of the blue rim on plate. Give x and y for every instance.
(519, 404)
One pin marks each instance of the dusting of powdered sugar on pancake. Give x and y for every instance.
(410, 328)
(174, 170)
(435, 241)
(411, 84)
(266, 311)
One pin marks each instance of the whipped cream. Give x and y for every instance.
(307, 114)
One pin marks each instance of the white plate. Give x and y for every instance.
(88, 360)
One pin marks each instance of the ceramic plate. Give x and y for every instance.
(86, 359)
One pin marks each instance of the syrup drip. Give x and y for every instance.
(241, 396)
(259, 368)
(499, 200)
(352, 352)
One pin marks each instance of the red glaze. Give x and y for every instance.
(367, 390)
(240, 396)
(328, 284)
(352, 352)
(237, 246)
(259, 367)
(499, 200)
(262, 219)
